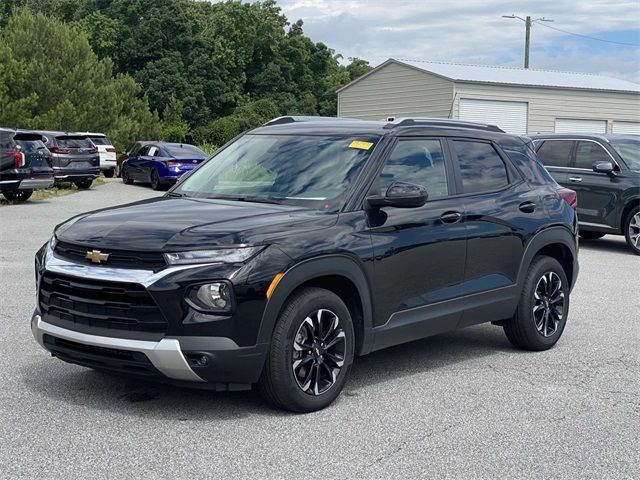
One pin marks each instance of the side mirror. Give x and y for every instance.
(399, 195)
(603, 166)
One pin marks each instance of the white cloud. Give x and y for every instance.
(473, 31)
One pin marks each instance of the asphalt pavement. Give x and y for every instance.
(461, 405)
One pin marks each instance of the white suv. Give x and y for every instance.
(107, 153)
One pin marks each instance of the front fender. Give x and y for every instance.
(341, 265)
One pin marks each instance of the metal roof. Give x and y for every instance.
(499, 75)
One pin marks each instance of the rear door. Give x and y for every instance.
(598, 193)
(500, 209)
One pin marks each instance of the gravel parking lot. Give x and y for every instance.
(462, 405)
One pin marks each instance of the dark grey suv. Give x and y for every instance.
(74, 157)
(604, 170)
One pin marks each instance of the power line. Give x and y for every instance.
(590, 38)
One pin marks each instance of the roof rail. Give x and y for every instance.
(441, 122)
(304, 118)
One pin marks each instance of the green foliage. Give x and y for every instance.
(228, 65)
(51, 79)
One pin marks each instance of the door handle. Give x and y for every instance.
(451, 217)
(527, 207)
(575, 179)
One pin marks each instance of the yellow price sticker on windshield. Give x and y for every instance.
(361, 145)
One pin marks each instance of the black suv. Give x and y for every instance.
(604, 170)
(305, 242)
(25, 165)
(74, 157)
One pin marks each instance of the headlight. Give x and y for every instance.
(213, 297)
(53, 242)
(217, 255)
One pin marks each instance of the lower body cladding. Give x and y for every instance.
(30, 183)
(83, 318)
(204, 362)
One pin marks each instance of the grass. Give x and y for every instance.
(58, 190)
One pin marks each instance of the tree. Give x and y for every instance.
(173, 128)
(51, 79)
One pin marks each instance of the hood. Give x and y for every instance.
(174, 224)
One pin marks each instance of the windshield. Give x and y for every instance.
(314, 171)
(184, 151)
(629, 150)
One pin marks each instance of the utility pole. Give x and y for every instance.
(527, 33)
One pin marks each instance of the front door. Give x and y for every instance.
(419, 253)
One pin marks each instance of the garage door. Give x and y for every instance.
(509, 116)
(574, 125)
(632, 128)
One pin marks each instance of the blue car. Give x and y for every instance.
(161, 163)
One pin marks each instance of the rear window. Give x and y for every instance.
(74, 142)
(31, 145)
(184, 151)
(556, 153)
(100, 140)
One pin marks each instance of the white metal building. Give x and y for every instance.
(518, 100)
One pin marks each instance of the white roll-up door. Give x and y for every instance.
(509, 116)
(632, 128)
(575, 125)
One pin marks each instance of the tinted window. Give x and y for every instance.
(74, 142)
(31, 145)
(556, 153)
(481, 168)
(588, 153)
(417, 161)
(184, 151)
(100, 140)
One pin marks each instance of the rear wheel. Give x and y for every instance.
(83, 184)
(591, 235)
(311, 352)
(632, 230)
(18, 195)
(108, 173)
(544, 305)
(125, 176)
(155, 180)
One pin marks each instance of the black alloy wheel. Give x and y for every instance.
(318, 352)
(548, 305)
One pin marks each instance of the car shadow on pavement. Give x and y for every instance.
(71, 384)
(608, 244)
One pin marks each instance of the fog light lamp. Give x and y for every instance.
(212, 297)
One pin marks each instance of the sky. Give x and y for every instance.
(473, 31)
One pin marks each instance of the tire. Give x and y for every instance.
(300, 389)
(83, 184)
(108, 173)
(632, 230)
(591, 235)
(155, 180)
(18, 195)
(542, 329)
(125, 176)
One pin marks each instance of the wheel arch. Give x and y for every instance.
(630, 204)
(340, 274)
(555, 242)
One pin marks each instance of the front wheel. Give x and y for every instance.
(18, 195)
(632, 230)
(544, 305)
(83, 184)
(311, 352)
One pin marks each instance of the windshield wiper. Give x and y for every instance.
(176, 194)
(246, 198)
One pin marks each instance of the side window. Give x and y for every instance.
(419, 161)
(588, 153)
(555, 153)
(481, 168)
(158, 153)
(143, 151)
(152, 151)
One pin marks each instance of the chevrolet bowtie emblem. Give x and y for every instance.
(96, 256)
